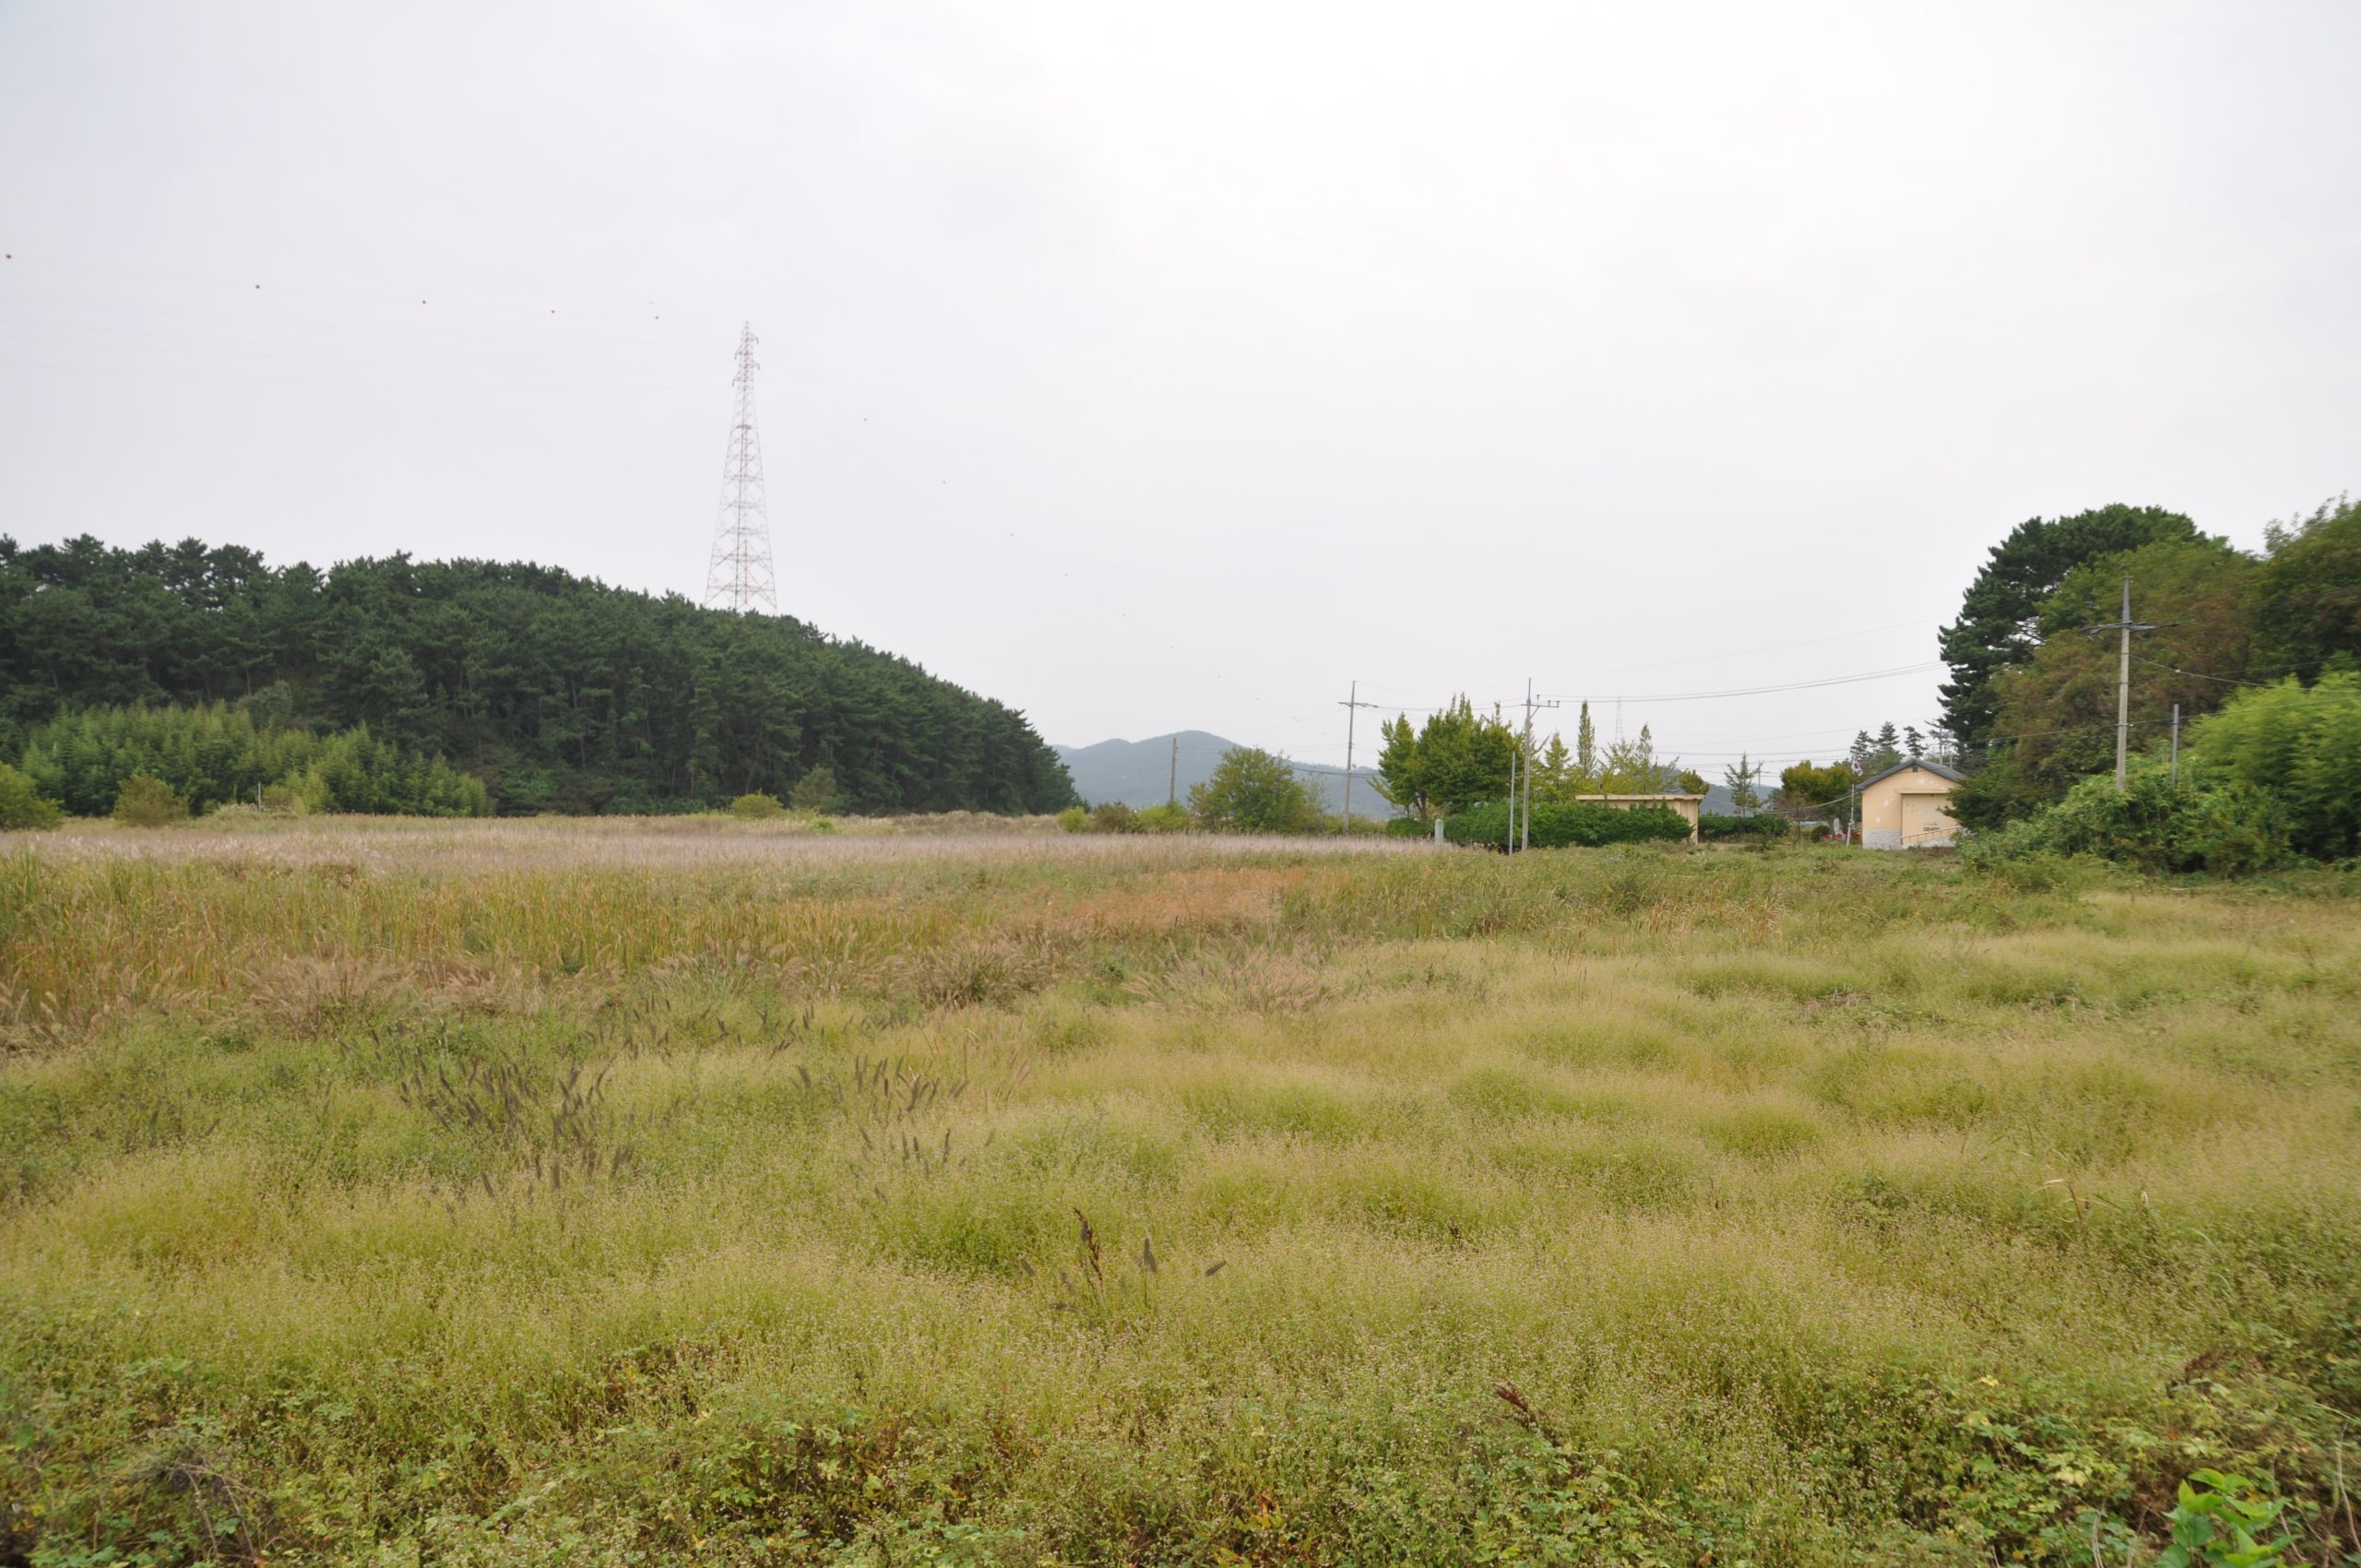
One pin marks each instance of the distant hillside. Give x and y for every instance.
(559, 692)
(1138, 772)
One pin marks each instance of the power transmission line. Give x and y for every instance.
(1898, 670)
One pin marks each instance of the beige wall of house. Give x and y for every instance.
(1908, 809)
(1689, 807)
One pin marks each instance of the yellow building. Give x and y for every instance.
(1908, 807)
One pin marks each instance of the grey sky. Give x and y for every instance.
(1151, 367)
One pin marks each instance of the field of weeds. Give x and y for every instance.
(480, 1194)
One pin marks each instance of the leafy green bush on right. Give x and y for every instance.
(2228, 829)
(2302, 745)
(2276, 773)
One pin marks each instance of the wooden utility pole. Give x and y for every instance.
(1172, 789)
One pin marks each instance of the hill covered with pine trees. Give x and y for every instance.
(558, 692)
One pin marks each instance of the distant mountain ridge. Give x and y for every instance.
(1138, 772)
(1142, 773)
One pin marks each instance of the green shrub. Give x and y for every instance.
(816, 791)
(1408, 827)
(1761, 828)
(148, 803)
(1569, 824)
(2228, 829)
(2302, 745)
(1251, 791)
(757, 808)
(213, 754)
(23, 807)
(1113, 816)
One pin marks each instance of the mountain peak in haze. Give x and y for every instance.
(1161, 768)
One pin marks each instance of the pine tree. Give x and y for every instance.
(1553, 774)
(1742, 776)
(1631, 766)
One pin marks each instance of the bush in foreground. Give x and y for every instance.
(757, 808)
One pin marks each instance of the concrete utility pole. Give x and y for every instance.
(2127, 625)
(1526, 841)
(2123, 697)
(1352, 706)
(1510, 847)
(1172, 789)
(2176, 745)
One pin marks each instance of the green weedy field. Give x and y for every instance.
(544, 1193)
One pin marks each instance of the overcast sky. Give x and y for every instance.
(1151, 367)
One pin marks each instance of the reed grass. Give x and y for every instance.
(527, 1192)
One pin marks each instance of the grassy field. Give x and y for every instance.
(646, 1193)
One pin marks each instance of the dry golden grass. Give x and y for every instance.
(605, 1193)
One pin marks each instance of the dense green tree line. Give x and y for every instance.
(1460, 758)
(559, 692)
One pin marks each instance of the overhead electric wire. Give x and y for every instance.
(350, 353)
(314, 381)
(1899, 670)
(280, 320)
(13, 258)
(1772, 647)
(2200, 675)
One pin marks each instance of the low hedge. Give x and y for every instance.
(1559, 825)
(1763, 825)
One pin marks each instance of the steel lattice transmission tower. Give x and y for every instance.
(739, 578)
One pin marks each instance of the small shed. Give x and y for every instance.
(1687, 807)
(1908, 807)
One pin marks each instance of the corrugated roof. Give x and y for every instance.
(1936, 768)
